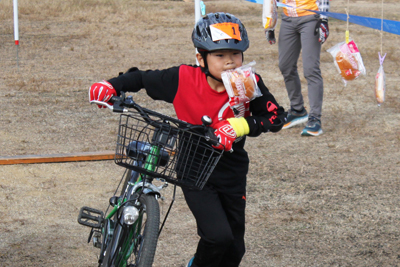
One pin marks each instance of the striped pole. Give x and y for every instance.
(16, 32)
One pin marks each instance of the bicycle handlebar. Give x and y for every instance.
(121, 104)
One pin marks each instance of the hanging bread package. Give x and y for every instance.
(348, 60)
(380, 86)
(380, 82)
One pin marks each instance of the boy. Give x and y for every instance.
(219, 209)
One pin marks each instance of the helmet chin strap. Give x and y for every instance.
(205, 68)
(212, 76)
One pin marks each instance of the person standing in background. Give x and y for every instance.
(302, 30)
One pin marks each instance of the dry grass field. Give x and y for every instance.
(332, 200)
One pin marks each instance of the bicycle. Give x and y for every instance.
(150, 146)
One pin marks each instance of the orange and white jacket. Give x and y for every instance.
(301, 5)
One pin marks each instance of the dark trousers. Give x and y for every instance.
(220, 218)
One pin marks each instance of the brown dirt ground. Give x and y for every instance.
(326, 201)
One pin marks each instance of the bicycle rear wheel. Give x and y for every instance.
(136, 245)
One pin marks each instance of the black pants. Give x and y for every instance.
(220, 217)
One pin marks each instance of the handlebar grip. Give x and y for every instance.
(209, 132)
(114, 99)
(212, 138)
(120, 102)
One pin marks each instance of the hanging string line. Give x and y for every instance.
(348, 17)
(382, 30)
(381, 58)
(347, 27)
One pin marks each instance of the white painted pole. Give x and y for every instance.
(196, 18)
(16, 32)
(197, 10)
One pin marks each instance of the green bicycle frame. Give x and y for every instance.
(128, 246)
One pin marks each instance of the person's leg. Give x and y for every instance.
(235, 205)
(289, 50)
(212, 226)
(311, 52)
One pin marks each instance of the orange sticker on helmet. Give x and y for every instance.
(226, 30)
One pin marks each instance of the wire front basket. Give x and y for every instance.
(164, 147)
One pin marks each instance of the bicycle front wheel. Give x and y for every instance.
(135, 245)
(146, 235)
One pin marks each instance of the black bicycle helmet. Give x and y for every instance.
(217, 31)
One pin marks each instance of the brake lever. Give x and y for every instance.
(101, 103)
(115, 108)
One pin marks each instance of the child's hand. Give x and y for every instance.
(226, 135)
(273, 124)
(101, 91)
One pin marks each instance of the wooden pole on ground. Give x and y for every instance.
(57, 158)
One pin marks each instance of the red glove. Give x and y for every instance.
(226, 135)
(101, 91)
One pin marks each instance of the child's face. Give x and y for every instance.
(223, 60)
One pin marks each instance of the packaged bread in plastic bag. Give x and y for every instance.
(270, 14)
(380, 83)
(241, 84)
(348, 60)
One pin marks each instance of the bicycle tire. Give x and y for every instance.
(143, 254)
(150, 228)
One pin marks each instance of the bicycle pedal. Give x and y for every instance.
(90, 217)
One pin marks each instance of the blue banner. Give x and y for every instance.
(390, 26)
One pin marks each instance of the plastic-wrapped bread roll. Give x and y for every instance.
(348, 66)
(242, 86)
(348, 60)
(380, 83)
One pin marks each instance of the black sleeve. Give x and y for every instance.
(266, 114)
(159, 84)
